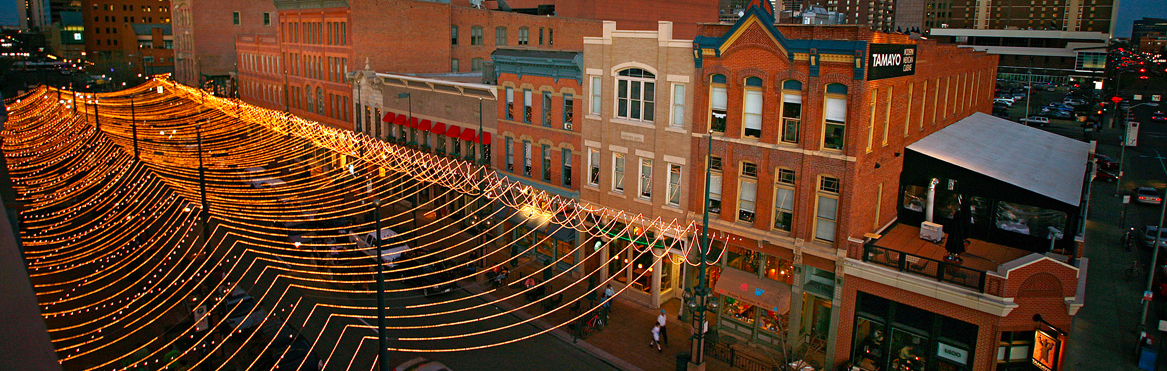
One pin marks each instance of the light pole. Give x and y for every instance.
(412, 131)
(96, 115)
(1028, 93)
(134, 127)
(383, 359)
(205, 212)
(1117, 92)
(701, 293)
(1122, 153)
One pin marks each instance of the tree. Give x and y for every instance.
(796, 356)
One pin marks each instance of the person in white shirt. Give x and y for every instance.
(661, 320)
(608, 294)
(655, 338)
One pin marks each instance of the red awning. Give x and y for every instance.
(389, 116)
(453, 131)
(468, 135)
(486, 138)
(439, 128)
(412, 122)
(424, 125)
(400, 120)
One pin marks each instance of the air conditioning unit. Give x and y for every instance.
(931, 231)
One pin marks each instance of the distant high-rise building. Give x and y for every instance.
(1056, 15)
(1148, 28)
(104, 21)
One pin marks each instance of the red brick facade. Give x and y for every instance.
(317, 47)
(556, 137)
(104, 22)
(205, 35)
(260, 74)
(685, 14)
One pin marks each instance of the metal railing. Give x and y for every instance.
(936, 269)
(740, 360)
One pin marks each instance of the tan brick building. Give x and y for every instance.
(636, 129)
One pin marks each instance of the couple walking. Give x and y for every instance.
(659, 335)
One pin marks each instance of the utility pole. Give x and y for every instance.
(202, 179)
(383, 359)
(96, 114)
(701, 292)
(134, 127)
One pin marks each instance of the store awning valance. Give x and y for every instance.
(412, 122)
(400, 120)
(486, 138)
(439, 128)
(453, 131)
(468, 135)
(389, 117)
(424, 125)
(763, 293)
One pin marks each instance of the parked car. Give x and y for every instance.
(1006, 101)
(1105, 162)
(1035, 121)
(391, 245)
(421, 364)
(290, 351)
(434, 276)
(1055, 113)
(1018, 96)
(1158, 116)
(1073, 101)
(1061, 106)
(1147, 195)
(1147, 236)
(1104, 176)
(245, 315)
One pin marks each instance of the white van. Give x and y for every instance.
(391, 246)
(257, 177)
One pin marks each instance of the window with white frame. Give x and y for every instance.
(784, 200)
(752, 109)
(674, 191)
(635, 94)
(597, 82)
(593, 166)
(526, 158)
(500, 36)
(510, 103)
(748, 192)
(645, 184)
(717, 103)
(715, 185)
(835, 119)
(678, 106)
(510, 150)
(791, 110)
(618, 172)
(826, 211)
(523, 33)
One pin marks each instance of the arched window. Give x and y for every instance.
(635, 94)
(835, 117)
(791, 110)
(319, 101)
(752, 109)
(717, 103)
(308, 103)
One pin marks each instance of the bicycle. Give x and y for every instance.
(1134, 271)
(593, 323)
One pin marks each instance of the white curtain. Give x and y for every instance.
(753, 116)
(837, 109)
(792, 98)
(825, 229)
(749, 196)
(719, 98)
(715, 186)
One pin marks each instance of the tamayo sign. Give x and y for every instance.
(891, 60)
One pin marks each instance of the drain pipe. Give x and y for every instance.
(931, 199)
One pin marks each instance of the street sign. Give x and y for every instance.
(1147, 295)
(1126, 199)
(1132, 134)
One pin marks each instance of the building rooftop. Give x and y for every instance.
(981, 255)
(145, 28)
(1032, 34)
(1032, 159)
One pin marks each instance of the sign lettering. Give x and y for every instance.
(891, 60)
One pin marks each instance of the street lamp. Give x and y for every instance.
(205, 212)
(1122, 154)
(412, 131)
(383, 359)
(699, 300)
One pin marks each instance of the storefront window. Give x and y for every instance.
(774, 322)
(666, 274)
(521, 236)
(914, 198)
(780, 270)
(713, 273)
(544, 244)
(1030, 220)
(507, 237)
(618, 259)
(643, 266)
(869, 344)
(738, 311)
(744, 259)
(816, 316)
(910, 350)
(819, 282)
(565, 253)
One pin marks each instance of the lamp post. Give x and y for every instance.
(698, 301)
(205, 212)
(96, 111)
(412, 131)
(134, 127)
(1122, 153)
(1117, 91)
(1029, 92)
(383, 359)
(1154, 254)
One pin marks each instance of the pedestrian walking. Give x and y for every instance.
(656, 338)
(608, 294)
(661, 320)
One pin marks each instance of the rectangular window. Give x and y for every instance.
(715, 185)
(871, 119)
(546, 163)
(235, 18)
(568, 111)
(645, 186)
(453, 65)
(908, 108)
(887, 114)
(635, 99)
(826, 210)
(266, 19)
(923, 103)
(523, 34)
(678, 106)
(674, 190)
(752, 114)
(618, 172)
(748, 192)
(526, 158)
(510, 114)
(836, 118)
(510, 152)
(596, 83)
(476, 35)
(567, 168)
(540, 35)
(547, 109)
(718, 109)
(550, 36)
(476, 65)
(784, 200)
(500, 36)
(453, 35)
(791, 115)
(527, 106)
(593, 166)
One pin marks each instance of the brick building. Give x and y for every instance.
(684, 14)
(104, 20)
(205, 37)
(809, 126)
(539, 142)
(636, 129)
(148, 47)
(316, 43)
(261, 80)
